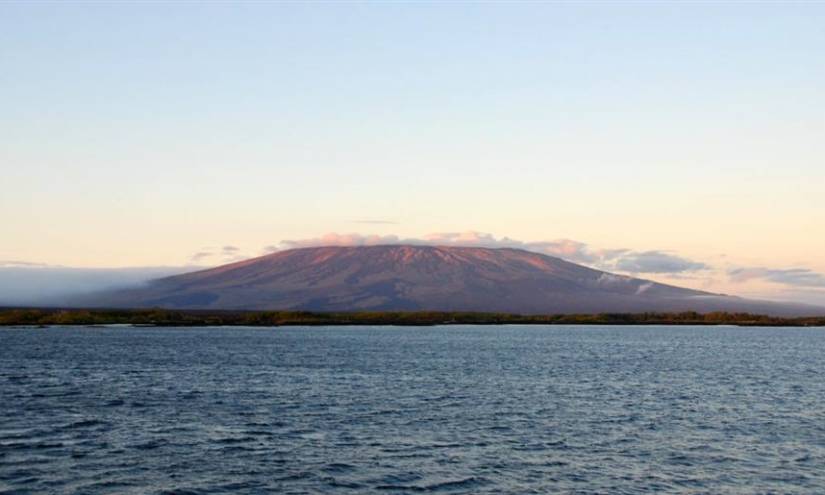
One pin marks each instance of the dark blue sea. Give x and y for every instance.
(459, 409)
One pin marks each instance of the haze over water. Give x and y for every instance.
(403, 410)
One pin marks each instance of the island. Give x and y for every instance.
(198, 318)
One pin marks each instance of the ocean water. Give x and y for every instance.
(498, 409)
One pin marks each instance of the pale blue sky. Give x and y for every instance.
(141, 133)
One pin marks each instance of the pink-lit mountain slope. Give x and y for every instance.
(408, 278)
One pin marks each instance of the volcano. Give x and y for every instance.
(416, 278)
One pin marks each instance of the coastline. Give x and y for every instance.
(44, 317)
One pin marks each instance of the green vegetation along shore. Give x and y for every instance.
(163, 317)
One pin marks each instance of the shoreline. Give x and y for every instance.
(44, 317)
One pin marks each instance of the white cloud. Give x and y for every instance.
(333, 239)
(794, 277)
(222, 255)
(656, 262)
(21, 264)
(44, 285)
(376, 222)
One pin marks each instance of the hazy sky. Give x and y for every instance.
(147, 134)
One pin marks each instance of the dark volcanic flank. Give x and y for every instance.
(422, 278)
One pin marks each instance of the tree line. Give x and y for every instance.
(177, 318)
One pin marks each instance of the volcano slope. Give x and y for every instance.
(414, 278)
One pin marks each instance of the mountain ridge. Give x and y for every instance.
(420, 277)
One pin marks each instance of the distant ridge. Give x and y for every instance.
(414, 278)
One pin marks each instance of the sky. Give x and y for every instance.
(678, 141)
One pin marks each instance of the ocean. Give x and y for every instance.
(453, 409)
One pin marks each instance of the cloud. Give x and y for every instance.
(201, 255)
(795, 277)
(333, 239)
(611, 254)
(376, 222)
(567, 249)
(21, 264)
(656, 262)
(225, 254)
(38, 284)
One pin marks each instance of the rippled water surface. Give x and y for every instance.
(500, 409)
